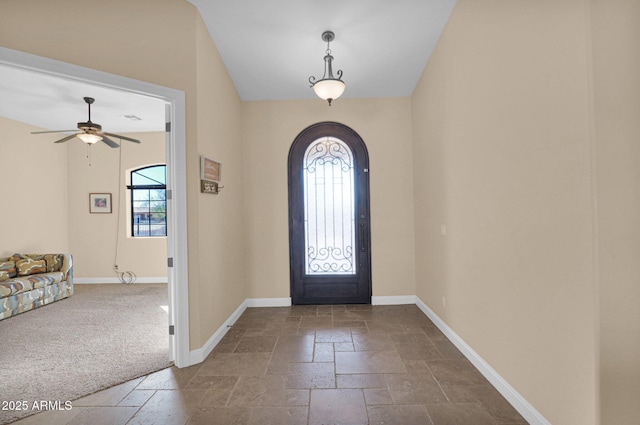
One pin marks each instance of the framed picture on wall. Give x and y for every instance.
(209, 169)
(100, 203)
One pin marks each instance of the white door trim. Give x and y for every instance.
(176, 176)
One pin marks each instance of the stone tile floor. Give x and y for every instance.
(309, 365)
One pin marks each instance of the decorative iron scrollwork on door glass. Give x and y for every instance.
(329, 212)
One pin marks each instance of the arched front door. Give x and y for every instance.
(329, 233)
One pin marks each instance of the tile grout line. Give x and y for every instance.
(143, 404)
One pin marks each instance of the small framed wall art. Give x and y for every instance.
(210, 176)
(209, 169)
(100, 203)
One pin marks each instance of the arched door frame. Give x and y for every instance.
(362, 278)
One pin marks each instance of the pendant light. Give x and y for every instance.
(329, 87)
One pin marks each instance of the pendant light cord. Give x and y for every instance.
(127, 277)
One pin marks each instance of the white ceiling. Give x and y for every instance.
(270, 49)
(55, 103)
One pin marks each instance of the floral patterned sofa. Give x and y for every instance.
(28, 281)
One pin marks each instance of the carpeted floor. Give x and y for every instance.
(101, 336)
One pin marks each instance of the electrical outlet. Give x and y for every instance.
(443, 229)
(444, 302)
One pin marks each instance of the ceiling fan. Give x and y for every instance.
(90, 132)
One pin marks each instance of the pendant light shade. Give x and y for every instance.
(329, 87)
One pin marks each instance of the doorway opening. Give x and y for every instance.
(176, 178)
(329, 232)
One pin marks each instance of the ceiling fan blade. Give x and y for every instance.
(122, 137)
(64, 139)
(54, 131)
(110, 142)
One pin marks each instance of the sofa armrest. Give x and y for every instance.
(67, 266)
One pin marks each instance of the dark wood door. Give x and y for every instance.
(329, 233)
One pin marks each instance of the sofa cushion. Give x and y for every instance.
(28, 266)
(7, 269)
(54, 262)
(14, 286)
(41, 280)
(56, 276)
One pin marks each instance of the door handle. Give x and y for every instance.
(363, 245)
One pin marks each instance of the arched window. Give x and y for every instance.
(148, 201)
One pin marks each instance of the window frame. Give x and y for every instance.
(132, 188)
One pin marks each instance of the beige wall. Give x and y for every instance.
(502, 157)
(269, 130)
(220, 239)
(616, 82)
(33, 211)
(160, 42)
(92, 237)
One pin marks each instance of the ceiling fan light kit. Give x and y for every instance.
(89, 139)
(329, 87)
(90, 132)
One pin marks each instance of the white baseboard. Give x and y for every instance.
(393, 300)
(268, 302)
(98, 280)
(508, 392)
(198, 355)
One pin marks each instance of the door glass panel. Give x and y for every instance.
(329, 212)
